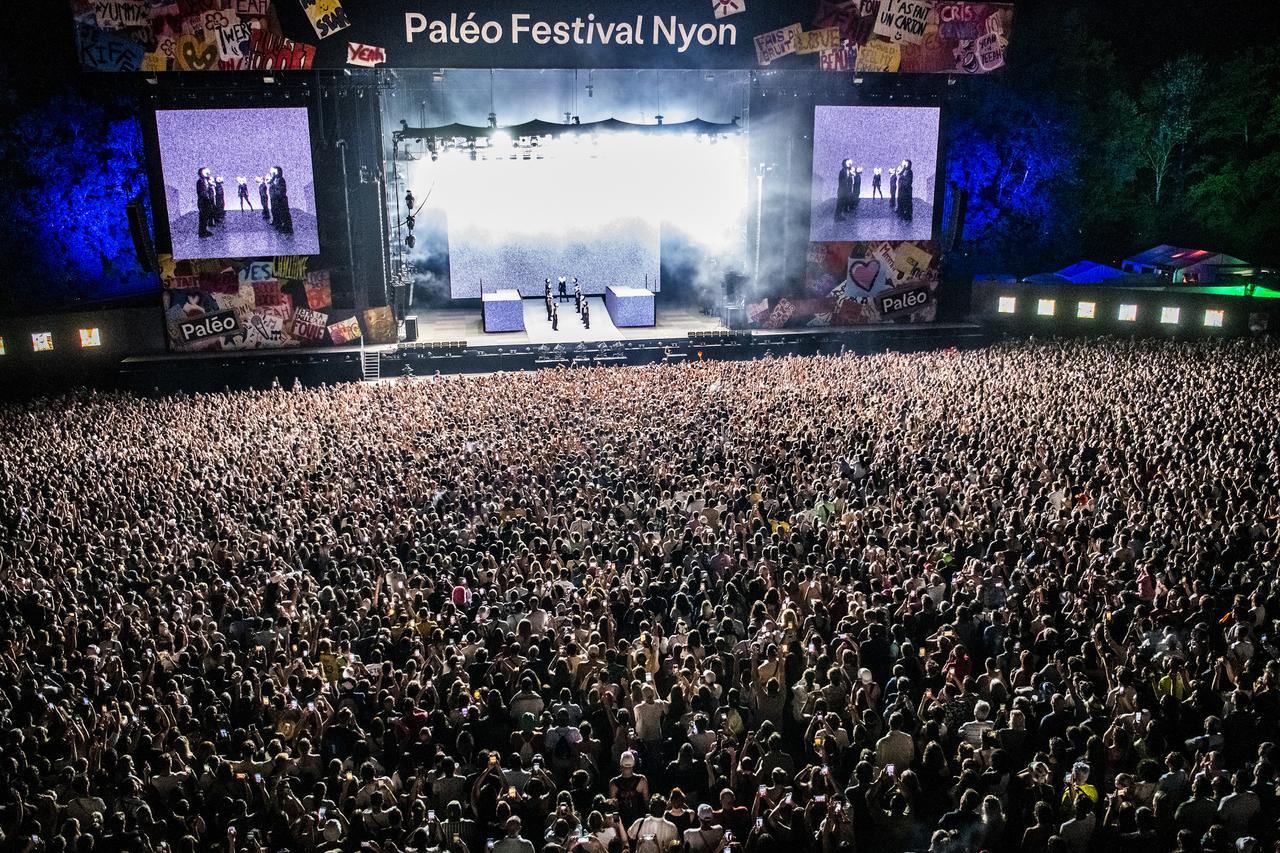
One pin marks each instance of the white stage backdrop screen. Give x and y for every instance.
(238, 182)
(591, 208)
(874, 173)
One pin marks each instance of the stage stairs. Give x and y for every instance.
(371, 365)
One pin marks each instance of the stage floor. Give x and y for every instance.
(467, 324)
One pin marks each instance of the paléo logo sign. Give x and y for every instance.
(213, 325)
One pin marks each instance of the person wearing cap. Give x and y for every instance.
(707, 835)
(629, 789)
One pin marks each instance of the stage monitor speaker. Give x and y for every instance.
(142, 246)
(411, 328)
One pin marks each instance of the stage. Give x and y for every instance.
(467, 324)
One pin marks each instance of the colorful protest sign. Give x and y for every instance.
(309, 325)
(381, 323)
(990, 51)
(319, 291)
(903, 21)
(365, 55)
(816, 41)
(291, 266)
(326, 16)
(101, 50)
(777, 44)
(879, 56)
(195, 53)
(843, 58)
(345, 331)
(121, 14)
(271, 52)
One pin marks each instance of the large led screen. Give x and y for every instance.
(238, 182)
(874, 173)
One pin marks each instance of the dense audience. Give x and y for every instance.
(1022, 598)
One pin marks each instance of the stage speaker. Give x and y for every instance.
(400, 298)
(411, 328)
(142, 246)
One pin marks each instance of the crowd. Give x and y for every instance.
(1021, 598)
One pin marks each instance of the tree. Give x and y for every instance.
(1165, 117)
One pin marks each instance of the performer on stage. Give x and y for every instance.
(555, 319)
(857, 188)
(279, 190)
(564, 289)
(220, 201)
(577, 296)
(264, 185)
(205, 201)
(844, 190)
(550, 304)
(893, 188)
(242, 190)
(876, 191)
(586, 316)
(547, 289)
(906, 205)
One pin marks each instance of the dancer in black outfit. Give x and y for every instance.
(282, 216)
(844, 190)
(906, 205)
(555, 319)
(264, 188)
(857, 188)
(242, 190)
(564, 289)
(893, 188)
(876, 190)
(205, 201)
(550, 305)
(220, 201)
(586, 316)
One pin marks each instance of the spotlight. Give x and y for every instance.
(1214, 318)
(1086, 310)
(1046, 307)
(1170, 315)
(1127, 313)
(1007, 305)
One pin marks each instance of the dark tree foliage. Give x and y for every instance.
(1072, 153)
(70, 163)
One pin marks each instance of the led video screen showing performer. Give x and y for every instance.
(874, 173)
(238, 182)
(608, 209)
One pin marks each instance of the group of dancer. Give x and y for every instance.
(273, 195)
(849, 189)
(579, 302)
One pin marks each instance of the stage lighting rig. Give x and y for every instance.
(408, 199)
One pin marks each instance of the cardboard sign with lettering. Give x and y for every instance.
(291, 266)
(345, 331)
(121, 14)
(319, 290)
(816, 41)
(843, 58)
(903, 21)
(880, 56)
(309, 325)
(271, 52)
(326, 16)
(100, 50)
(365, 55)
(777, 44)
